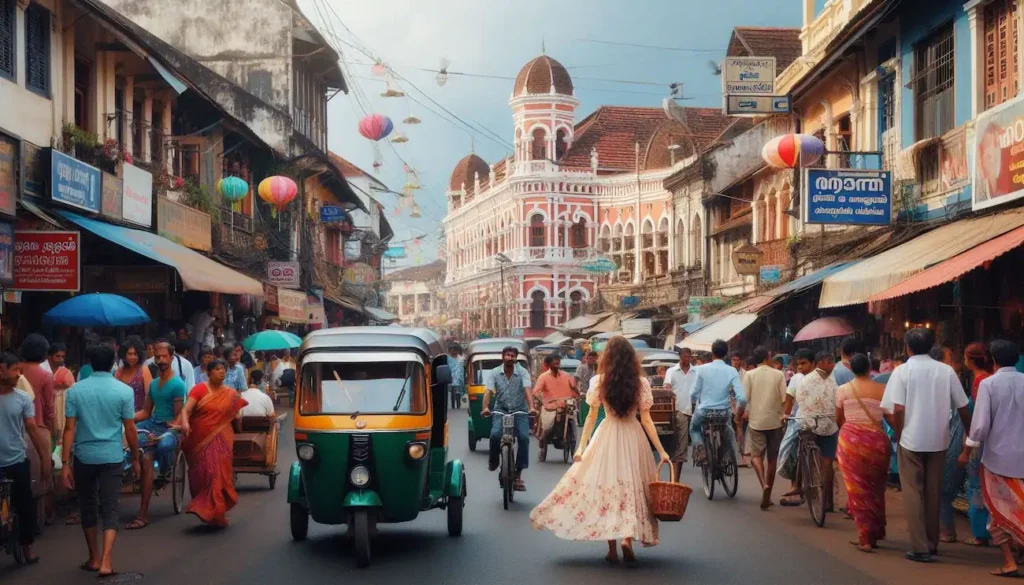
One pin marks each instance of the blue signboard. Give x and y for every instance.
(332, 214)
(771, 274)
(395, 252)
(629, 302)
(74, 183)
(848, 197)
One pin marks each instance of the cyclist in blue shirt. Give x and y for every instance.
(716, 384)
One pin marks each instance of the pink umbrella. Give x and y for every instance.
(823, 328)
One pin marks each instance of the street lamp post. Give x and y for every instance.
(502, 261)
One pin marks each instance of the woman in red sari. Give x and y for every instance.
(206, 423)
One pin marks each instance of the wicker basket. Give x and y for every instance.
(669, 498)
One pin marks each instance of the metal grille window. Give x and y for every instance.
(844, 141)
(7, 20)
(37, 49)
(1001, 79)
(887, 104)
(934, 83)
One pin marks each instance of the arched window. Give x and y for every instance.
(537, 231)
(578, 234)
(561, 145)
(680, 243)
(537, 310)
(696, 241)
(539, 147)
(575, 304)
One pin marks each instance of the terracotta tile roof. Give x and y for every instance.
(752, 41)
(425, 273)
(615, 130)
(540, 76)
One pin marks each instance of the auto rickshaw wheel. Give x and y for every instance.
(456, 506)
(299, 521)
(361, 537)
(472, 438)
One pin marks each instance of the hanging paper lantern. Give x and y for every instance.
(378, 69)
(376, 127)
(278, 191)
(411, 120)
(793, 150)
(415, 210)
(233, 188)
(400, 138)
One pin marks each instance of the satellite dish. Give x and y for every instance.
(674, 111)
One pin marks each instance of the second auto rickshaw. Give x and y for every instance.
(482, 356)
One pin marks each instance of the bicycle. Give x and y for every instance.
(719, 462)
(175, 477)
(507, 467)
(9, 524)
(808, 465)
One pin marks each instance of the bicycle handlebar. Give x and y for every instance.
(494, 412)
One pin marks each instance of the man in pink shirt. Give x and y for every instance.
(553, 388)
(33, 352)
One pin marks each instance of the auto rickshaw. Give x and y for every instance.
(371, 433)
(482, 356)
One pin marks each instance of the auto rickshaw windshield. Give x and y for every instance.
(392, 387)
(483, 367)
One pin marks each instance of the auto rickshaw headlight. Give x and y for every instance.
(360, 476)
(306, 452)
(417, 451)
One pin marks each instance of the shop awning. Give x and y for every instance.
(955, 267)
(725, 329)
(557, 337)
(347, 302)
(860, 282)
(380, 314)
(583, 322)
(197, 272)
(38, 212)
(808, 280)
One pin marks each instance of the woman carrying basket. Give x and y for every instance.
(606, 494)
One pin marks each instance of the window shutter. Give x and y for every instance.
(1001, 79)
(37, 48)
(7, 18)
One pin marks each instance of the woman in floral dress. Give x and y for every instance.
(606, 494)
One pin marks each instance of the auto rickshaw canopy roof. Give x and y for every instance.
(420, 340)
(497, 344)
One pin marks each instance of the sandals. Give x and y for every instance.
(947, 539)
(137, 524)
(1001, 572)
(976, 542)
(520, 486)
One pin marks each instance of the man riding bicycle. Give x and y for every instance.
(510, 384)
(715, 384)
(164, 400)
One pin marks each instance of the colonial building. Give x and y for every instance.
(519, 231)
(416, 294)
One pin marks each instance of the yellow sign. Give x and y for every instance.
(746, 259)
(183, 225)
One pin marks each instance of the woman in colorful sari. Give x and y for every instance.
(206, 423)
(979, 362)
(863, 452)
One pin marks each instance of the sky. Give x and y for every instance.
(496, 38)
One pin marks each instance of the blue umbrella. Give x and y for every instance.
(97, 310)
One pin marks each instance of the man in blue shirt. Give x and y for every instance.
(510, 384)
(99, 409)
(164, 399)
(236, 371)
(715, 385)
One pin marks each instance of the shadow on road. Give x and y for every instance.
(390, 544)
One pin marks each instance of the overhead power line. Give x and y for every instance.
(643, 46)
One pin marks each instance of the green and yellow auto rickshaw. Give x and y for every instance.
(371, 433)
(482, 356)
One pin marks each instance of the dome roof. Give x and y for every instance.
(540, 76)
(466, 169)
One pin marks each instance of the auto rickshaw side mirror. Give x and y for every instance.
(444, 375)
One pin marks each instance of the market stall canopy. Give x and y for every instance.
(611, 323)
(97, 310)
(582, 322)
(725, 329)
(380, 314)
(824, 328)
(860, 282)
(557, 337)
(197, 272)
(955, 267)
(453, 322)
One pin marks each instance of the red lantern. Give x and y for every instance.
(792, 151)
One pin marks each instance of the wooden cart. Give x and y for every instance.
(255, 448)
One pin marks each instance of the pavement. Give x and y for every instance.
(720, 542)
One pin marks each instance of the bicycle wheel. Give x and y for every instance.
(729, 473)
(814, 486)
(708, 469)
(505, 476)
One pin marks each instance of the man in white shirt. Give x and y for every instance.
(679, 379)
(803, 362)
(260, 405)
(920, 394)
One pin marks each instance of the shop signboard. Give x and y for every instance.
(333, 214)
(695, 307)
(848, 197)
(395, 252)
(771, 274)
(111, 204)
(127, 279)
(756, 105)
(291, 306)
(518, 332)
(360, 274)
(74, 183)
(137, 196)
(270, 296)
(9, 155)
(12, 296)
(637, 326)
(748, 76)
(315, 311)
(998, 155)
(284, 274)
(746, 259)
(953, 160)
(33, 170)
(47, 261)
(184, 225)
(6, 253)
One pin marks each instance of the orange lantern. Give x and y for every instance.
(278, 191)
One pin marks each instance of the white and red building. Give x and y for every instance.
(518, 231)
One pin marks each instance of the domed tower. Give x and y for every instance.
(467, 172)
(543, 106)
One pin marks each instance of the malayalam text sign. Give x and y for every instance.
(47, 261)
(284, 274)
(746, 259)
(749, 76)
(999, 155)
(74, 183)
(10, 152)
(111, 204)
(848, 197)
(137, 197)
(291, 306)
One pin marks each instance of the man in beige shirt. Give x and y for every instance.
(766, 392)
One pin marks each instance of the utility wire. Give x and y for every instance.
(643, 46)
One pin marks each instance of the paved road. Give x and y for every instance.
(719, 543)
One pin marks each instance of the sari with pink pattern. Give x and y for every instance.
(208, 450)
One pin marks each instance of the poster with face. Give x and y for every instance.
(999, 156)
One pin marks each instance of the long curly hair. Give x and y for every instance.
(620, 376)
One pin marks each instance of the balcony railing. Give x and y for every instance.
(236, 220)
